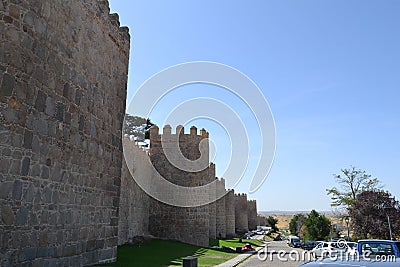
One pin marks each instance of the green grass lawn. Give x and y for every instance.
(167, 253)
(234, 242)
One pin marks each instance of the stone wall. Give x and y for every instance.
(186, 224)
(241, 219)
(63, 76)
(252, 214)
(230, 213)
(220, 210)
(261, 220)
(192, 225)
(133, 218)
(213, 205)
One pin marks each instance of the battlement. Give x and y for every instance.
(212, 166)
(220, 187)
(241, 195)
(221, 180)
(180, 130)
(119, 35)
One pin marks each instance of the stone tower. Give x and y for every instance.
(220, 218)
(186, 224)
(241, 219)
(252, 214)
(63, 76)
(213, 205)
(230, 213)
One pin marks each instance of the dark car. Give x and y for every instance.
(379, 253)
(309, 245)
(296, 243)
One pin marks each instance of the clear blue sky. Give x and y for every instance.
(330, 71)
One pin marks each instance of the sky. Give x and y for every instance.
(329, 70)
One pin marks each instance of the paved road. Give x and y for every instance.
(278, 254)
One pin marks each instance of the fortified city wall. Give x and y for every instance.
(220, 218)
(230, 213)
(187, 224)
(134, 202)
(241, 219)
(252, 214)
(142, 215)
(63, 76)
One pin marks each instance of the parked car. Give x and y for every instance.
(247, 247)
(326, 249)
(294, 241)
(329, 262)
(374, 247)
(309, 245)
(248, 235)
(370, 253)
(351, 248)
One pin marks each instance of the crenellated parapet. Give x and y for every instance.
(242, 196)
(180, 147)
(168, 136)
(100, 11)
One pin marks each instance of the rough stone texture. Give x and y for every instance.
(191, 225)
(186, 224)
(63, 74)
(261, 220)
(252, 214)
(220, 210)
(241, 219)
(134, 202)
(230, 213)
(212, 231)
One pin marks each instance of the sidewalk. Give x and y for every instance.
(240, 258)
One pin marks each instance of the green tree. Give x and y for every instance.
(351, 182)
(272, 222)
(369, 215)
(137, 126)
(296, 223)
(317, 227)
(147, 128)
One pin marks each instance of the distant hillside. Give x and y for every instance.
(291, 213)
(284, 217)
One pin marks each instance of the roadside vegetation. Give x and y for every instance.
(314, 226)
(167, 253)
(372, 211)
(234, 242)
(359, 201)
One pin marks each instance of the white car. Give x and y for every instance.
(351, 248)
(325, 249)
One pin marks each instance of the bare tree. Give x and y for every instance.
(351, 182)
